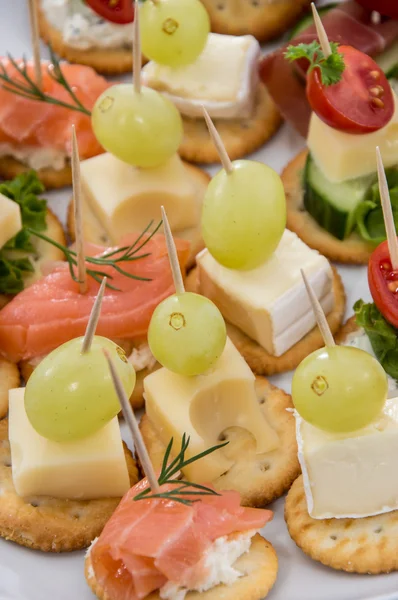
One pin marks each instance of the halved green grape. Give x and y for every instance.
(174, 32)
(187, 334)
(142, 129)
(70, 395)
(339, 389)
(244, 215)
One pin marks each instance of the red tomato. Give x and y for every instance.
(389, 8)
(116, 11)
(361, 102)
(383, 283)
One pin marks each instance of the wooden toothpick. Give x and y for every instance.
(34, 33)
(77, 201)
(132, 423)
(93, 320)
(319, 314)
(322, 35)
(137, 56)
(173, 256)
(217, 141)
(387, 211)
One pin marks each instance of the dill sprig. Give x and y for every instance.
(26, 87)
(110, 259)
(170, 471)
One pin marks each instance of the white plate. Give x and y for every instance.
(29, 575)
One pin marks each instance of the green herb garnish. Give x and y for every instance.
(15, 263)
(382, 336)
(331, 68)
(110, 259)
(369, 213)
(183, 489)
(25, 86)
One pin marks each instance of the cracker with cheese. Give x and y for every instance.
(261, 477)
(52, 524)
(51, 178)
(367, 545)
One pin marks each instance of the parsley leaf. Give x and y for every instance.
(331, 68)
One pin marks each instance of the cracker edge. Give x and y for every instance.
(253, 586)
(51, 179)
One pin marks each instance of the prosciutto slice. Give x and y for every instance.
(348, 24)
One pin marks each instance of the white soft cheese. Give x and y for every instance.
(270, 303)
(82, 28)
(217, 566)
(342, 156)
(34, 157)
(350, 475)
(142, 358)
(223, 79)
(360, 340)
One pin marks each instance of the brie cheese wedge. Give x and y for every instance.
(223, 79)
(270, 303)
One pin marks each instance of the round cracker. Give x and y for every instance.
(367, 545)
(112, 61)
(240, 136)
(259, 567)
(10, 378)
(137, 397)
(51, 179)
(352, 250)
(263, 363)
(44, 252)
(94, 231)
(264, 19)
(259, 478)
(50, 524)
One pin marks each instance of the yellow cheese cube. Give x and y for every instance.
(10, 219)
(94, 467)
(343, 156)
(125, 198)
(203, 407)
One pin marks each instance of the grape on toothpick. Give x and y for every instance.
(187, 332)
(244, 210)
(338, 388)
(70, 394)
(174, 32)
(137, 124)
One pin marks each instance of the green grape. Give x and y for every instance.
(339, 389)
(187, 333)
(174, 32)
(244, 215)
(70, 395)
(142, 129)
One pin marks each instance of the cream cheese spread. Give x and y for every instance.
(142, 358)
(82, 28)
(35, 157)
(223, 79)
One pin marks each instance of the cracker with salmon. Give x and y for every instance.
(352, 250)
(49, 524)
(265, 19)
(368, 545)
(263, 363)
(240, 136)
(259, 478)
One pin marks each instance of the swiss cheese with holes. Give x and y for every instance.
(93, 467)
(203, 407)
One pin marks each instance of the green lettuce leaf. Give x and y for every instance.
(382, 336)
(369, 214)
(14, 262)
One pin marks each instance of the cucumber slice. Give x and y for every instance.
(307, 21)
(333, 205)
(388, 61)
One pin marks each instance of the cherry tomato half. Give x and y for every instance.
(388, 8)
(383, 283)
(361, 102)
(116, 11)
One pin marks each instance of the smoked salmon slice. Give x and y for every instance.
(52, 311)
(39, 124)
(140, 550)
